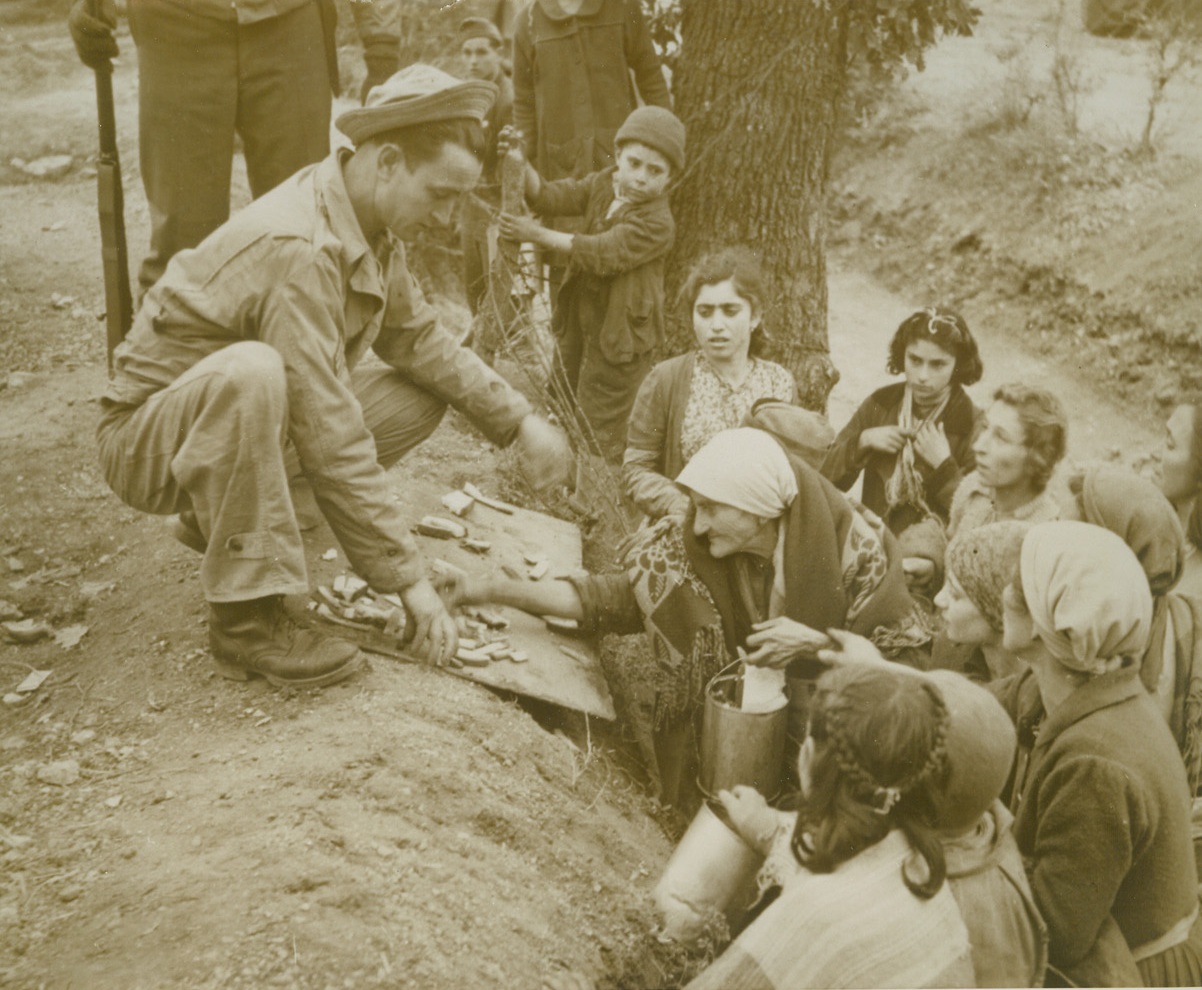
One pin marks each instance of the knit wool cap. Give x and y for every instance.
(983, 561)
(980, 745)
(478, 27)
(418, 94)
(657, 128)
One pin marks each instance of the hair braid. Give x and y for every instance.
(879, 752)
(845, 754)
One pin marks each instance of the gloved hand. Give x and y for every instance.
(92, 23)
(382, 60)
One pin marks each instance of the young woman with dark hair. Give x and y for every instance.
(686, 400)
(912, 440)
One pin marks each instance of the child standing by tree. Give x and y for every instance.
(609, 312)
(913, 440)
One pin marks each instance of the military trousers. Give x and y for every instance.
(215, 441)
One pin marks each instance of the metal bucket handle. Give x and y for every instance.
(724, 672)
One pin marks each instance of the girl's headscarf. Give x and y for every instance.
(745, 468)
(1137, 511)
(1087, 595)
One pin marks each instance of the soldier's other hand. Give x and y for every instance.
(543, 453)
(92, 24)
(435, 638)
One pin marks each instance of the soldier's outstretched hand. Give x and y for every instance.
(543, 453)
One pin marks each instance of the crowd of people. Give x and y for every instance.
(994, 779)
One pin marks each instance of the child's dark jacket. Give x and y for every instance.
(845, 460)
(622, 256)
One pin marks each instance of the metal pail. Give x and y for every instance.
(739, 747)
(711, 871)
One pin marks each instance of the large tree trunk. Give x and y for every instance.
(758, 86)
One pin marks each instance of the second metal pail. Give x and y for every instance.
(739, 747)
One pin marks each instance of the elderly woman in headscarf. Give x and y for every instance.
(1136, 510)
(770, 554)
(1099, 793)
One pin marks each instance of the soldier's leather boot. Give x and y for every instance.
(258, 639)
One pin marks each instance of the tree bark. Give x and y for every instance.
(758, 86)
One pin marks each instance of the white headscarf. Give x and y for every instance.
(745, 468)
(1087, 594)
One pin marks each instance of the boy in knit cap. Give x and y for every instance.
(609, 312)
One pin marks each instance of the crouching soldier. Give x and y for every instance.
(251, 344)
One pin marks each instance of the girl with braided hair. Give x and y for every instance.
(983, 864)
(866, 904)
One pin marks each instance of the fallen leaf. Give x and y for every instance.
(34, 681)
(69, 636)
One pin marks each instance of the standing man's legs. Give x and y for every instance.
(284, 96)
(187, 103)
(213, 441)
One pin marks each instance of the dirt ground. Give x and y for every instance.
(162, 827)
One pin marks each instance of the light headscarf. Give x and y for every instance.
(745, 468)
(1087, 594)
